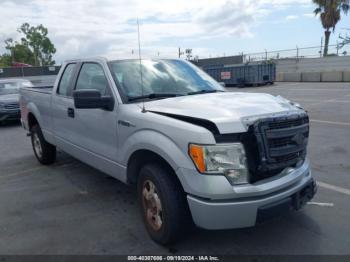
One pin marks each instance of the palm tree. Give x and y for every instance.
(330, 11)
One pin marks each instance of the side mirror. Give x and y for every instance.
(91, 98)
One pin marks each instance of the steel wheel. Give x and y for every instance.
(37, 145)
(152, 205)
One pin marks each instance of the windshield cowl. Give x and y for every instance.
(163, 95)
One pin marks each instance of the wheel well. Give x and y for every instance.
(142, 157)
(31, 120)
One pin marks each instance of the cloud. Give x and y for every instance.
(309, 15)
(81, 28)
(231, 18)
(292, 17)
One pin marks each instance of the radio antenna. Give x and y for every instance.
(140, 60)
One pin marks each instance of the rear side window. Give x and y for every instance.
(91, 76)
(65, 81)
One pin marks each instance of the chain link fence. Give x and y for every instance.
(29, 71)
(297, 52)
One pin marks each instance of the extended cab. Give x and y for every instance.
(195, 152)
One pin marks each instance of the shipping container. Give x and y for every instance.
(231, 76)
(244, 74)
(260, 74)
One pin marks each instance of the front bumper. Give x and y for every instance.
(246, 212)
(10, 115)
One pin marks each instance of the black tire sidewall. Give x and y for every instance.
(36, 130)
(162, 181)
(48, 155)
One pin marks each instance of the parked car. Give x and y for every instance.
(9, 98)
(196, 153)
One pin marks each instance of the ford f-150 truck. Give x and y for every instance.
(196, 153)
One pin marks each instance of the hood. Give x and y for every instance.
(230, 112)
(9, 98)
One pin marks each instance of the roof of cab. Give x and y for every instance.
(104, 59)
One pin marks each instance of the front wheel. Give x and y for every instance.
(163, 204)
(44, 151)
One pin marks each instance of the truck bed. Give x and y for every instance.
(37, 99)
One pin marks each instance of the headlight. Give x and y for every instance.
(227, 159)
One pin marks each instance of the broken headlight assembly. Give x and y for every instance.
(225, 159)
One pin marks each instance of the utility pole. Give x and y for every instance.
(188, 53)
(337, 48)
(297, 52)
(321, 46)
(180, 52)
(13, 52)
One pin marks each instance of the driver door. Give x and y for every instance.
(95, 130)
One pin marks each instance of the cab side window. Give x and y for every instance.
(91, 76)
(63, 87)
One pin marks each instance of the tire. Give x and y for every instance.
(44, 151)
(174, 219)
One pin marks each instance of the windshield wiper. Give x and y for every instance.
(165, 95)
(153, 95)
(204, 92)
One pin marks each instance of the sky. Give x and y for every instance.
(85, 28)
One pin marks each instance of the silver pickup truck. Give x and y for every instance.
(197, 154)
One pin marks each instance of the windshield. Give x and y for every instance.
(9, 88)
(12, 87)
(171, 77)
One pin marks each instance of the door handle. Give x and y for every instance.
(70, 112)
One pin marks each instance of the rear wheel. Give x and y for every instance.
(163, 204)
(44, 151)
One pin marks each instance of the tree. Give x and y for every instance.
(42, 47)
(19, 52)
(5, 60)
(329, 11)
(34, 48)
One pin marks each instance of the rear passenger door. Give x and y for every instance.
(95, 130)
(62, 104)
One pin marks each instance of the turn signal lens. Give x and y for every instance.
(197, 155)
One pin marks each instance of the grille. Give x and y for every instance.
(272, 144)
(285, 141)
(12, 106)
(281, 142)
(287, 157)
(288, 123)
